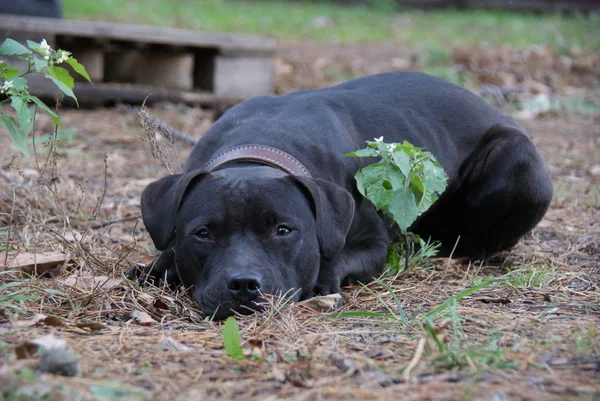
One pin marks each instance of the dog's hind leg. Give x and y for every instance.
(502, 192)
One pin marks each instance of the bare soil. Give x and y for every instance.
(531, 334)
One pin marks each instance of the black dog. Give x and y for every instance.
(268, 203)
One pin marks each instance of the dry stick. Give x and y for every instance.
(163, 126)
(110, 222)
(99, 200)
(415, 359)
(12, 211)
(131, 248)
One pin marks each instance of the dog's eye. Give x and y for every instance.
(203, 234)
(283, 230)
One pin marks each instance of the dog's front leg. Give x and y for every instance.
(159, 271)
(361, 259)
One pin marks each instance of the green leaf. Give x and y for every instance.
(374, 178)
(64, 88)
(435, 176)
(396, 178)
(360, 179)
(17, 135)
(11, 47)
(402, 160)
(9, 73)
(34, 45)
(80, 69)
(42, 105)
(61, 75)
(366, 152)
(458, 297)
(232, 339)
(403, 208)
(40, 64)
(417, 188)
(19, 83)
(23, 113)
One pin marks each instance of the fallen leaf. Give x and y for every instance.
(91, 325)
(29, 349)
(73, 236)
(278, 374)
(159, 303)
(29, 322)
(142, 318)
(173, 345)
(89, 281)
(323, 303)
(53, 321)
(39, 263)
(488, 300)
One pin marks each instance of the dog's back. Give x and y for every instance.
(427, 111)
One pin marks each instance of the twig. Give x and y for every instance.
(415, 359)
(407, 252)
(12, 212)
(161, 125)
(110, 222)
(99, 200)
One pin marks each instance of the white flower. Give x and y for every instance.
(64, 56)
(46, 57)
(7, 85)
(380, 139)
(45, 46)
(391, 148)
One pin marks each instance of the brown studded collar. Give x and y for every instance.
(260, 154)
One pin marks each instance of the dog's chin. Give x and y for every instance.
(223, 310)
(219, 307)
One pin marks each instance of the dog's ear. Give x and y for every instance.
(160, 203)
(334, 209)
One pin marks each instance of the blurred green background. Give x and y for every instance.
(378, 22)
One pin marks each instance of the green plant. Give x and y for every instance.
(530, 276)
(232, 339)
(12, 297)
(41, 59)
(403, 184)
(459, 354)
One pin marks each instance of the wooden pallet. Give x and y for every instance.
(129, 63)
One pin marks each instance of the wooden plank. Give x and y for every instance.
(141, 34)
(104, 94)
(244, 76)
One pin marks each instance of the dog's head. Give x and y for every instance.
(244, 231)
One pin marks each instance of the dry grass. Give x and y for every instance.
(531, 332)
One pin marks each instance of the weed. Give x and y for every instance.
(232, 339)
(40, 59)
(530, 276)
(419, 259)
(586, 341)
(14, 293)
(402, 185)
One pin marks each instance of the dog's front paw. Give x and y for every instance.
(324, 289)
(159, 271)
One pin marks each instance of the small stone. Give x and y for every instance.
(59, 361)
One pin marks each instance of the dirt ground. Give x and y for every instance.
(530, 333)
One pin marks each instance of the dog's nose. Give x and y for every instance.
(245, 286)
